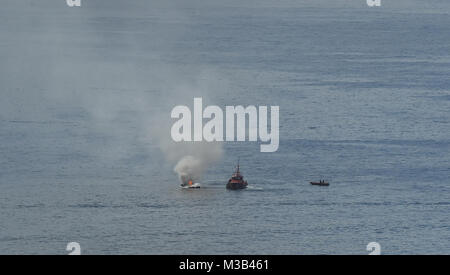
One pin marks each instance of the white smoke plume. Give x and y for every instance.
(118, 95)
(189, 168)
(193, 159)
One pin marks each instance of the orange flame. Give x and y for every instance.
(190, 182)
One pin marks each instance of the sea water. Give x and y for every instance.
(364, 98)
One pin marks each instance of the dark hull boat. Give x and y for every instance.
(320, 183)
(237, 181)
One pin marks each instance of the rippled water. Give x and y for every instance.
(364, 96)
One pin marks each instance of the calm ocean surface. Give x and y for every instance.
(364, 96)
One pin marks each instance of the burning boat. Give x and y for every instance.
(237, 180)
(189, 183)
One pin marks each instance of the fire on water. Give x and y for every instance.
(189, 183)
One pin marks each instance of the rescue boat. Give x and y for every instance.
(237, 181)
